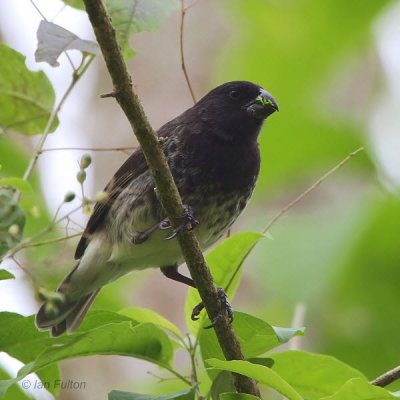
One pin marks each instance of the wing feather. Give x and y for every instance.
(133, 167)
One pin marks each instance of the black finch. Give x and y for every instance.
(214, 157)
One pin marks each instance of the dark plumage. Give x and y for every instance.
(213, 154)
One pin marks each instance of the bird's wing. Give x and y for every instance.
(134, 166)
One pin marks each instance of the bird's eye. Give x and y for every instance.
(234, 94)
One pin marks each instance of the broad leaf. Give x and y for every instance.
(15, 392)
(78, 4)
(12, 222)
(225, 262)
(133, 16)
(264, 375)
(255, 336)
(237, 396)
(54, 40)
(4, 275)
(18, 183)
(26, 97)
(20, 339)
(146, 315)
(313, 375)
(360, 389)
(145, 341)
(222, 383)
(186, 394)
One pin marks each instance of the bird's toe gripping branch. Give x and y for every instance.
(189, 222)
(225, 307)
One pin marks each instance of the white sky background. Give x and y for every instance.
(19, 20)
(384, 124)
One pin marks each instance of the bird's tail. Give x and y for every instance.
(69, 314)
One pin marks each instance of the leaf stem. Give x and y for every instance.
(193, 375)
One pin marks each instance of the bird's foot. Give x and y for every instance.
(189, 222)
(225, 307)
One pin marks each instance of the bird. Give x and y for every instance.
(213, 153)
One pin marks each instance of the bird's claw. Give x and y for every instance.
(225, 307)
(189, 222)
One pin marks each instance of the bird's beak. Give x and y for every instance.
(262, 106)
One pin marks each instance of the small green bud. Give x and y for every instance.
(43, 294)
(50, 309)
(13, 230)
(35, 212)
(69, 196)
(87, 209)
(57, 298)
(101, 196)
(81, 176)
(86, 160)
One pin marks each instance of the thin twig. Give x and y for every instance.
(193, 375)
(38, 10)
(90, 149)
(75, 78)
(311, 188)
(51, 241)
(27, 272)
(183, 12)
(295, 201)
(387, 378)
(26, 242)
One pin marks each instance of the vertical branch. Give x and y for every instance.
(167, 191)
(183, 13)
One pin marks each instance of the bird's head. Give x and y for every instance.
(237, 107)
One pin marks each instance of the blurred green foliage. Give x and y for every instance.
(340, 254)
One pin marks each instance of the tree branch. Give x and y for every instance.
(167, 191)
(387, 378)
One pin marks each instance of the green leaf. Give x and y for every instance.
(360, 389)
(237, 396)
(313, 375)
(19, 183)
(255, 336)
(264, 375)
(4, 275)
(15, 392)
(26, 97)
(186, 394)
(19, 338)
(53, 40)
(78, 4)
(133, 16)
(223, 382)
(225, 262)
(146, 315)
(12, 222)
